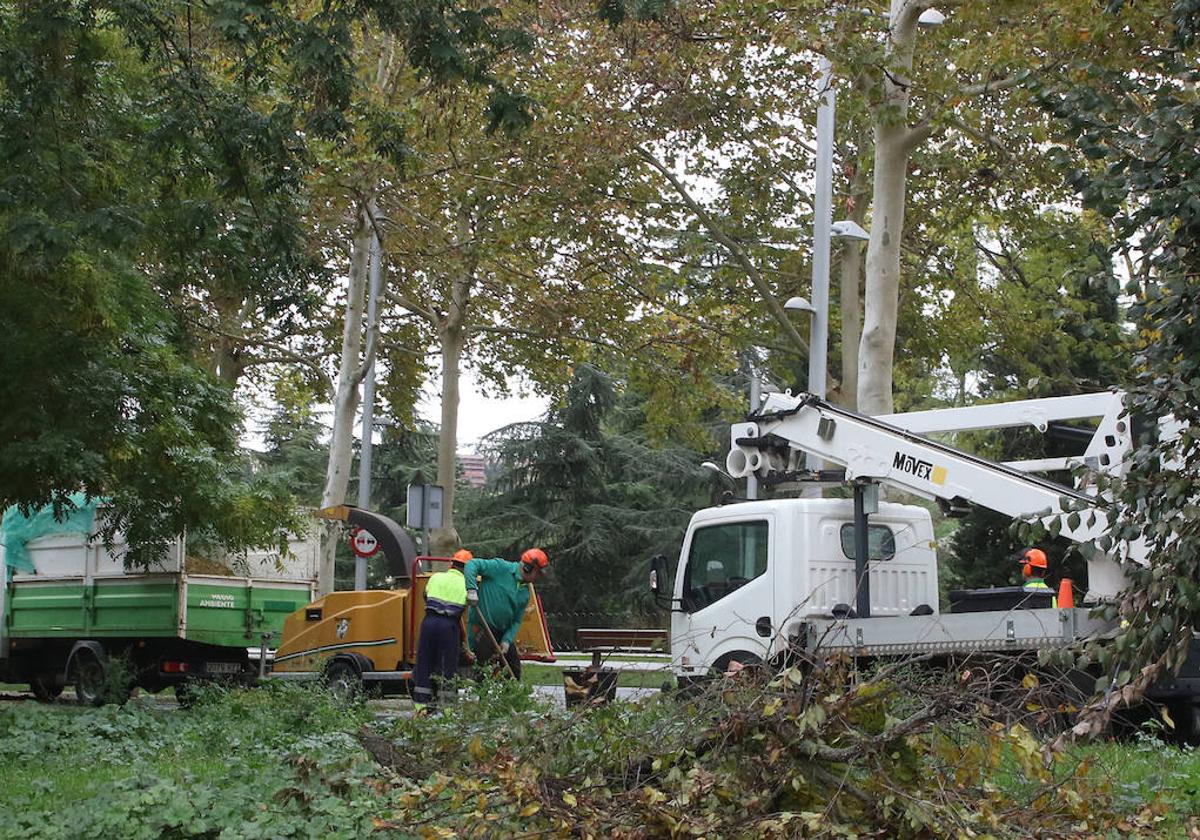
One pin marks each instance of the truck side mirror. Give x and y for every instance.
(660, 581)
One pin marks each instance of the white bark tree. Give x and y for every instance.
(895, 140)
(451, 326)
(353, 363)
(996, 52)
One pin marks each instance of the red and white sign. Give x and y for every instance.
(363, 543)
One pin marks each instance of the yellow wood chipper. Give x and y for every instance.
(368, 638)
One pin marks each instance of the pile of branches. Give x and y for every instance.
(906, 750)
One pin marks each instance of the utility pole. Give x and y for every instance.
(755, 402)
(368, 413)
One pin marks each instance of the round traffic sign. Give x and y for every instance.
(363, 543)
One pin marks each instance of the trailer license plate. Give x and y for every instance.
(222, 667)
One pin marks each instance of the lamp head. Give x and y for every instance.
(849, 229)
(799, 304)
(931, 17)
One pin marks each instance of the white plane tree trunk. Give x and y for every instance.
(354, 361)
(352, 368)
(894, 142)
(452, 331)
(445, 539)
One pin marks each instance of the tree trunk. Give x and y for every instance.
(345, 399)
(227, 359)
(444, 540)
(850, 269)
(893, 143)
(352, 368)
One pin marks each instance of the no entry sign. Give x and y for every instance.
(363, 543)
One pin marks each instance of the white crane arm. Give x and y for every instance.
(871, 448)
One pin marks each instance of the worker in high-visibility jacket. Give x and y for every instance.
(439, 640)
(1034, 567)
(498, 593)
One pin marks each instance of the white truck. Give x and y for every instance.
(760, 579)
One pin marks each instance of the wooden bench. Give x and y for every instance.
(598, 641)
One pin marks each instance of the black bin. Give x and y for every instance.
(999, 598)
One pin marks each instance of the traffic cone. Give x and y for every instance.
(1066, 595)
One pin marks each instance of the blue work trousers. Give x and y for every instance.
(437, 655)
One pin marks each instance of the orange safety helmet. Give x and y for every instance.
(535, 557)
(462, 556)
(1034, 558)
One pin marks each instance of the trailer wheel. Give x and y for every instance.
(343, 679)
(45, 688)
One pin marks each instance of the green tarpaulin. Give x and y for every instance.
(16, 529)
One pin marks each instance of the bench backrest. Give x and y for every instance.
(621, 639)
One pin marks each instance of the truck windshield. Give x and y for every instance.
(723, 558)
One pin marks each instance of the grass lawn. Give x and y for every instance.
(539, 674)
(1129, 774)
(286, 761)
(252, 764)
(1139, 770)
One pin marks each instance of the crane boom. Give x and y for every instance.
(872, 449)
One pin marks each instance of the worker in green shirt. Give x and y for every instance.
(498, 593)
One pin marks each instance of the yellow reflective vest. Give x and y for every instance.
(1039, 585)
(446, 593)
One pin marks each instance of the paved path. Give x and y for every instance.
(383, 707)
(583, 660)
(557, 693)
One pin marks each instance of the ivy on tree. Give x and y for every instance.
(1138, 133)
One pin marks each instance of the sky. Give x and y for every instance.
(478, 414)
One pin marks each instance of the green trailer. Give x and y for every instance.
(74, 615)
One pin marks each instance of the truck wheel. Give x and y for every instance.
(343, 679)
(88, 674)
(45, 688)
(186, 694)
(1187, 722)
(738, 660)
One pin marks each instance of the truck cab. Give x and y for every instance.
(751, 573)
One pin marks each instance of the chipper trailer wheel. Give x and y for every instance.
(343, 679)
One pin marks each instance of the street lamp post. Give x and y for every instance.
(822, 223)
(755, 403)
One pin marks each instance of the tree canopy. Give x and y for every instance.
(115, 186)
(155, 164)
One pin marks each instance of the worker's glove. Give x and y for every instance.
(473, 596)
(504, 648)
